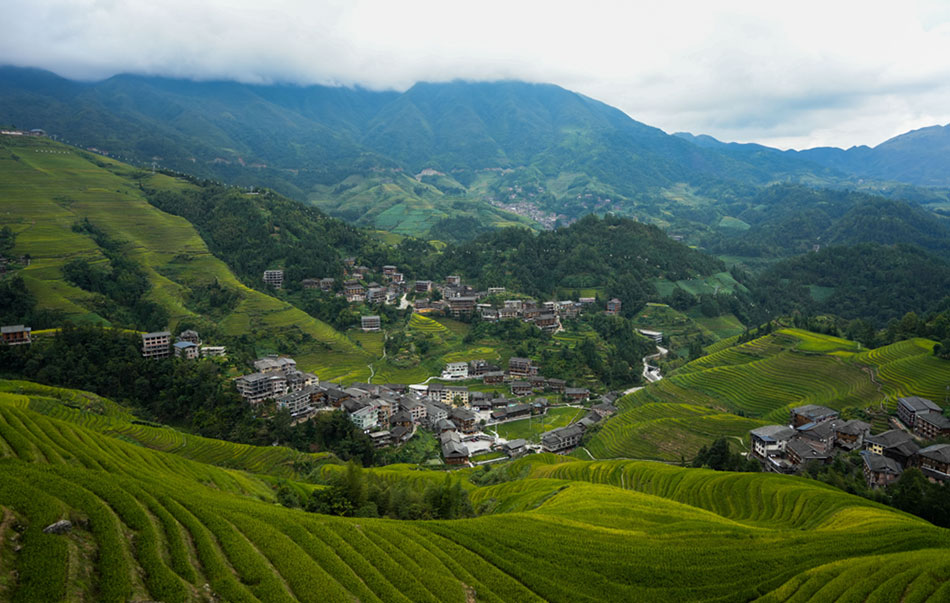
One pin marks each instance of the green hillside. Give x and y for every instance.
(537, 145)
(737, 388)
(47, 188)
(399, 203)
(869, 281)
(151, 525)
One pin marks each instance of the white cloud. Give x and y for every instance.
(802, 74)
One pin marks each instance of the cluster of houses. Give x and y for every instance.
(457, 298)
(816, 433)
(391, 414)
(187, 345)
(565, 439)
(354, 289)
(522, 378)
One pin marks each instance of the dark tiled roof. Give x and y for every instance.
(773, 433)
(918, 404)
(881, 464)
(937, 452)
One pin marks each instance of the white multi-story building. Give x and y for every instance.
(455, 370)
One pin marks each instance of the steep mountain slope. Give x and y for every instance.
(784, 220)
(149, 525)
(76, 213)
(869, 281)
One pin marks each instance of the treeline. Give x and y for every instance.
(18, 306)
(253, 233)
(617, 253)
(121, 283)
(196, 395)
(720, 457)
(356, 493)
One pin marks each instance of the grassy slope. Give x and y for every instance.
(400, 204)
(762, 380)
(46, 187)
(150, 525)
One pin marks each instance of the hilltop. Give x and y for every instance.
(150, 524)
(114, 245)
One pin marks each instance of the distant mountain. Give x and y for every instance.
(784, 220)
(919, 157)
(508, 142)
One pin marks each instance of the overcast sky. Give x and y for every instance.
(788, 74)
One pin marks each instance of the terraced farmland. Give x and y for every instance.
(908, 368)
(737, 388)
(107, 417)
(47, 187)
(149, 525)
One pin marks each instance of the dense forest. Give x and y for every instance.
(872, 282)
(613, 252)
(785, 220)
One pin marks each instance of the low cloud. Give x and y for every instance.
(812, 73)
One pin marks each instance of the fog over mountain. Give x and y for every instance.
(844, 74)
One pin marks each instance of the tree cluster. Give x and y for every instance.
(355, 493)
(720, 457)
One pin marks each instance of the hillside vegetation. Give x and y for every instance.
(354, 151)
(151, 525)
(49, 188)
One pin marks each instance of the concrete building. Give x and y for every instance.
(157, 345)
(613, 306)
(370, 323)
(455, 370)
(186, 349)
(274, 278)
(16, 334)
(257, 387)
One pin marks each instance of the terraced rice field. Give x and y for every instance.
(107, 417)
(149, 525)
(46, 192)
(425, 324)
(909, 368)
(735, 389)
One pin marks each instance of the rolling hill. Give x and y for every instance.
(740, 387)
(150, 525)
